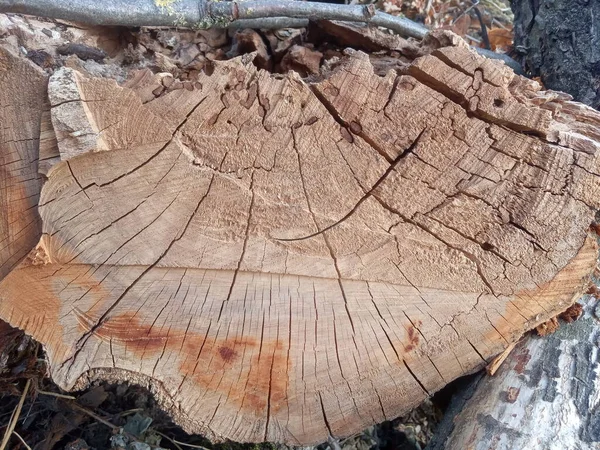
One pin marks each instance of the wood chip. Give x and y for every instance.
(493, 367)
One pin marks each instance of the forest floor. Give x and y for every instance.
(122, 416)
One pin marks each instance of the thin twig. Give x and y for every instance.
(189, 445)
(22, 440)
(129, 411)
(334, 444)
(54, 394)
(484, 34)
(498, 23)
(15, 417)
(172, 441)
(93, 416)
(101, 420)
(473, 5)
(177, 443)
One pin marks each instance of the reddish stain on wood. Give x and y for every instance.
(413, 336)
(250, 374)
(227, 354)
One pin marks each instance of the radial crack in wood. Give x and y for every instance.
(282, 261)
(21, 106)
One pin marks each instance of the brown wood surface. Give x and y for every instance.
(285, 261)
(23, 90)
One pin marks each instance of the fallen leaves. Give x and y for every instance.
(501, 39)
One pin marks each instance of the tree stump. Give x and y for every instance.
(287, 260)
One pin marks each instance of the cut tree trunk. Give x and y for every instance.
(559, 40)
(544, 396)
(22, 94)
(286, 261)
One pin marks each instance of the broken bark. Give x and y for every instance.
(286, 261)
(558, 40)
(543, 396)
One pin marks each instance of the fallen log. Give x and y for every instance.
(286, 261)
(543, 396)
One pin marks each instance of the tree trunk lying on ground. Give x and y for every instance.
(283, 260)
(543, 396)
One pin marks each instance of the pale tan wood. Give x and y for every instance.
(48, 151)
(283, 261)
(496, 363)
(23, 91)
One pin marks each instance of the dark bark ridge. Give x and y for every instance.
(559, 40)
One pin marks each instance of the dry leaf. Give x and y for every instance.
(462, 24)
(500, 39)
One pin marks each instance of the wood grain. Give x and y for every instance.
(285, 261)
(23, 90)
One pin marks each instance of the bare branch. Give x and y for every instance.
(271, 23)
(220, 14)
(204, 13)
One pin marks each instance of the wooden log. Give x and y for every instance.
(544, 396)
(287, 261)
(21, 105)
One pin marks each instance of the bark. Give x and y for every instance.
(287, 261)
(545, 395)
(559, 40)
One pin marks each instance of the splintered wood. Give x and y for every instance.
(286, 261)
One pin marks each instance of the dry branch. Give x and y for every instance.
(205, 13)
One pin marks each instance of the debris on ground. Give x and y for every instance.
(572, 313)
(548, 327)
